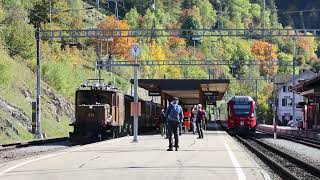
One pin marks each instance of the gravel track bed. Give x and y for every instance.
(297, 171)
(303, 152)
(272, 174)
(9, 154)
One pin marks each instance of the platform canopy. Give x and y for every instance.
(188, 91)
(310, 87)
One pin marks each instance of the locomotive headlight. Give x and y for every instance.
(96, 85)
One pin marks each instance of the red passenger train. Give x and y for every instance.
(241, 115)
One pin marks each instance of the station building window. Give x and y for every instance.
(284, 89)
(287, 101)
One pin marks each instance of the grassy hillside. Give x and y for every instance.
(17, 88)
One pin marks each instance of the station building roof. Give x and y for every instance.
(187, 90)
(309, 87)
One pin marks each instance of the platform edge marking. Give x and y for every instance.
(236, 165)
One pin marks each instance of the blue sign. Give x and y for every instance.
(269, 101)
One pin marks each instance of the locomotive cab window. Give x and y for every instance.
(242, 109)
(91, 98)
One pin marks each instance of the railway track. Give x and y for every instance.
(32, 143)
(287, 166)
(304, 141)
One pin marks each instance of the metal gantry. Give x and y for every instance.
(110, 63)
(186, 33)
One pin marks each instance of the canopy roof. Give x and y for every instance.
(187, 90)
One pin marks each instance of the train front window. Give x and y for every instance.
(242, 109)
(91, 98)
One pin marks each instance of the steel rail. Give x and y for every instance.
(298, 162)
(307, 142)
(32, 143)
(315, 171)
(278, 168)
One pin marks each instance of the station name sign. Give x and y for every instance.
(154, 93)
(314, 100)
(211, 93)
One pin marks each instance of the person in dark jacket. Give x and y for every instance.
(174, 116)
(163, 123)
(200, 120)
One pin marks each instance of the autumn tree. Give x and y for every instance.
(119, 46)
(191, 19)
(157, 52)
(307, 47)
(265, 53)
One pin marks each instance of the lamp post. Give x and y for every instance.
(135, 52)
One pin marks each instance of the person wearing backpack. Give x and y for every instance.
(174, 117)
(200, 120)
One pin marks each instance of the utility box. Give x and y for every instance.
(34, 117)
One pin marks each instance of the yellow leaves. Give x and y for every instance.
(54, 53)
(157, 52)
(265, 52)
(309, 45)
(118, 46)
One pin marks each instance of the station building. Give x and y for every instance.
(310, 90)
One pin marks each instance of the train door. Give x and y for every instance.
(115, 113)
(121, 108)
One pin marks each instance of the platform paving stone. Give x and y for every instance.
(121, 159)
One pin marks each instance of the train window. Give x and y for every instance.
(114, 103)
(242, 109)
(118, 100)
(101, 99)
(83, 98)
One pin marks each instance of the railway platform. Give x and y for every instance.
(217, 156)
(314, 135)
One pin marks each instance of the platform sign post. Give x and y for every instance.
(135, 52)
(274, 108)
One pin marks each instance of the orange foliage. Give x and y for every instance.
(309, 46)
(265, 52)
(119, 46)
(175, 42)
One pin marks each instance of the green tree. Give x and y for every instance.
(239, 13)
(18, 35)
(192, 20)
(283, 60)
(132, 17)
(207, 13)
(188, 4)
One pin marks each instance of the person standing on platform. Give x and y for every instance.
(194, 119)
(200, 120)
(163, 123)
(174, 116)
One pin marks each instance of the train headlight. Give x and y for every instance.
(252, 115)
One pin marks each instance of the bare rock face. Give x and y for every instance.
(16, 113)
(58, 104)
(9, 113)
